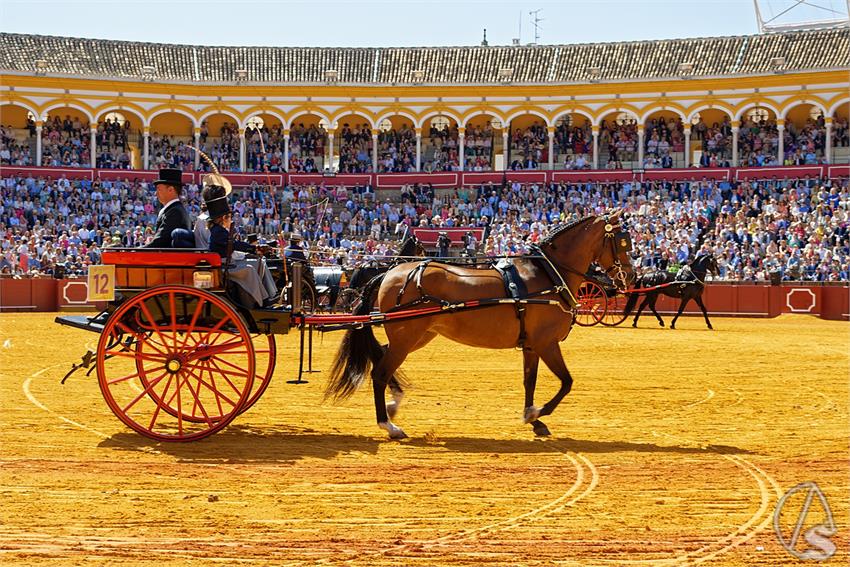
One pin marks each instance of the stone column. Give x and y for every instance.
(461, 139)
(146, 157)
(551, 132)
(242, 153)
(330, 156)
(687, 147)
(506, 149)
(595, 133)
(780, 152)
(286, 149)
(641, 135)
(736, 127)
(828, 145)
(375, 151)
(93, 145)
(418, 149)
(198, 146)
(38, 149)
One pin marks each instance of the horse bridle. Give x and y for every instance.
(620, 241)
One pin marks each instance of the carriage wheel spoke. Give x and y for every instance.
(159, 405)
(218, 395)
(196, 395)
(144, 392)
(137, 355)
(191, 327)
(155, 327)
(225, 376)
(140, 337)
(235, 370)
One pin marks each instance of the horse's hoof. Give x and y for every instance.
(672, 327)
(394, 431)
(634, 325)
(541, 430)
(710, 328)
(661, 324)
(531, 414)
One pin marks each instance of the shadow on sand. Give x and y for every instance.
(241, 444)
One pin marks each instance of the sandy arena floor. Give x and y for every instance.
(672, 449)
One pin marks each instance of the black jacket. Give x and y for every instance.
(175, 216)
(218, 241)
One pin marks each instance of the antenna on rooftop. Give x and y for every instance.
(536, 23)
(798, 15)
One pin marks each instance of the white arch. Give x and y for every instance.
(244, 123)
(22, 105)
(343, 113)
(492, 113)
(288, 124)
(123, 110)
(214, 111)
(835, 106)
(651, 111)
(518, 113)
(434, 113)
(580, 111)
(66, 105)
(617, 110)
(756, 104)
(710, 106)
(195, 124)
(395, 113)
(801, 102)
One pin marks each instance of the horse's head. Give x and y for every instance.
(594, 239)
(705, 262)
(613, 252)
(412, 246)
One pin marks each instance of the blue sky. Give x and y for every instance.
(395, 23)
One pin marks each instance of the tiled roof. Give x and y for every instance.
(802, 50)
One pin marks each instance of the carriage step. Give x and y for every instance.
(83, 322)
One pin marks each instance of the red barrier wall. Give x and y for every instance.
(740, 300)
(451, 179)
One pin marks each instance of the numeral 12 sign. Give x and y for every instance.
(101, 283)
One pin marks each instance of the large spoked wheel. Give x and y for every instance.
(176, 363)
(265, 351)
(615, 312)
(592, 304)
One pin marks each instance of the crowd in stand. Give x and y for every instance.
(800, 228)
(65, 143)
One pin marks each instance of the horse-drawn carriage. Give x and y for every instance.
(600, 301)
(178, 358)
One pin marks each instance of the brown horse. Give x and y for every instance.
(537, 324)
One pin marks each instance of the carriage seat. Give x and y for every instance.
(141, 268)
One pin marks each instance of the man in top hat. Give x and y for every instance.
(172, 216)
(295, 250)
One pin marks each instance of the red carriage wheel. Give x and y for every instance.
(176, 363)
(615, 313)
(265, 352)
(592, 304)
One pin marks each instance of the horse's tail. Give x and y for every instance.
(630, 304)
(358, 351)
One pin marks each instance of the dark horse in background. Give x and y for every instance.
(686, 285)
(551, 279)
(411, 247)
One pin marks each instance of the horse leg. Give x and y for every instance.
(654, 312)
(643, 305)
(381, 376)
(685, 300)
(553, 359)
(530, 360)
(396, 390)
(698, 299)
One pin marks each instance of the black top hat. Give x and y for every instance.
(215, 198)
(172, 177)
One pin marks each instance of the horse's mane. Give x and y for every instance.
(564, 228)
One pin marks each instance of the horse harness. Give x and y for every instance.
(515, 288)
